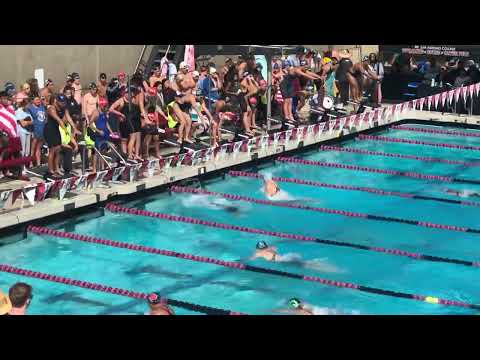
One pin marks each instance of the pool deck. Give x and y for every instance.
(21, 212)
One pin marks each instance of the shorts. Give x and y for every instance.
(287, 89)
(125, 129)
(51, 134)
(150, 130)
(243, 103)
(38, 132)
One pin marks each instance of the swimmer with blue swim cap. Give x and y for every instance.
(266, 252)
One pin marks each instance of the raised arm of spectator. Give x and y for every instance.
(53, 113)
(113, 108)
(308, 76)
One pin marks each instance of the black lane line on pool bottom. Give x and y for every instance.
(428, 299)
(189, 220)
(325, 210)
(369, 190)
(112, 290)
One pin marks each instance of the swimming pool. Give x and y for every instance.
(259, 293)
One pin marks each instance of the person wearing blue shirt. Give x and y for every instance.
(38, 112)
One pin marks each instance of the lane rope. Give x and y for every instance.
(418, 142)
(189, 220)
(180, 189)
(240, 266)
(399, 156)
(112, 290)
(435, 131)
(375, 191)
(414, 175)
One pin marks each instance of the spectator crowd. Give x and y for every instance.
(130, 117)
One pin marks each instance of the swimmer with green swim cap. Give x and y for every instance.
(297, 307)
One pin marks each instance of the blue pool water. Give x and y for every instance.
(253, 293)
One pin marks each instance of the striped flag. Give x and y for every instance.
(29, 193)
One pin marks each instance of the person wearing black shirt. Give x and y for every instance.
(344, 66)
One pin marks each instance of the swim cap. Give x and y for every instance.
(92, 86)
(75, 76)
(252, 101)
(103, 102)
(303, 62)
(154, 298)
(262, 245)
(326, 60)
(294, 303)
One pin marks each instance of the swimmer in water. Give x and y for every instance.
(157, 306)
(297, 307)
(462, 193)
(269, 253)
(266, 252)
(271, 187)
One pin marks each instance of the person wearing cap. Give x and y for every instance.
(247, 101)
(295, 58)
(90, 102)
(38, 111)
(5, 304)
(77, 86)
(157, 306)
(298, 307)
(68, 82)
(100, 131)
(51, 133)
(21, 296)
(47, 91)
(130, 122)
(343, 76)
(102, 85)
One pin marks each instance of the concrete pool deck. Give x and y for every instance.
(21, 212)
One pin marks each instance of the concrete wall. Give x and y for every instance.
(18, 62)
